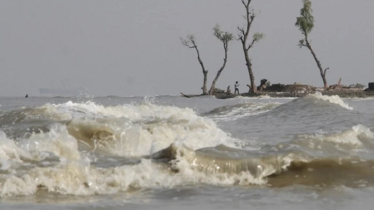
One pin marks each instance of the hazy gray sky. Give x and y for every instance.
(132, 47)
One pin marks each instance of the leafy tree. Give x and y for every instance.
(243, 37)
(225, 38)
(305, 23)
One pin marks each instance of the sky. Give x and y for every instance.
(133, 47)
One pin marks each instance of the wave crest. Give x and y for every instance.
(331, 99)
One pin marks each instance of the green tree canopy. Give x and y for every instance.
(305, 22)
(222, 35)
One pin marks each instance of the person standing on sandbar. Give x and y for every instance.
(236, 87)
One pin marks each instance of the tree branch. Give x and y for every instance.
(246, 4)
(188, 43)
(324, 73)
(241, 30)
(250, 46)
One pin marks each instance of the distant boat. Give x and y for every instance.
(57, 92)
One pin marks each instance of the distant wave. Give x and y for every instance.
(332, 99)
(234, 112)
(136, 96)
(311, 104)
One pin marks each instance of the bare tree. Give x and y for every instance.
(225, 38)
(305, 23)
(190, 42)
(243, 37)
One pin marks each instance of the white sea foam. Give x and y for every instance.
(9, 150)
(351, 136)
(332, 99)
(78, 177)
(37, 147)
(128, 130)
(57, 142)
(204, 169)
(74, 174)
(140, 129)
(131, 130)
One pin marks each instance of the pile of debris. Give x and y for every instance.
(371, 87)
(299, 90)
(295, 89)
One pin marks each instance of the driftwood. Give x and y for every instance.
(184, 95)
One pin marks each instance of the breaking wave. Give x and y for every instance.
(88, 149)
(331, 99)
(54, 162)
(310, 105)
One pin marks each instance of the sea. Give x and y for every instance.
(171, 152)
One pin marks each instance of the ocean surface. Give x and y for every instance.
(170, 152)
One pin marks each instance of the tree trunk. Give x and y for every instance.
(249, 67)
(211, 91)
(323, 73)
(243, 38)
(204, 83)
(225, 38)
(250, 72)
(205, 72)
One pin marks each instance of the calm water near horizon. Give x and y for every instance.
(170, 152)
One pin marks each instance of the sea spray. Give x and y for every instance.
(9, 150)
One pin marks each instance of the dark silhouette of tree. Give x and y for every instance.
(305, 23)
(191, 43)
(225, 38)
(243, 37)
